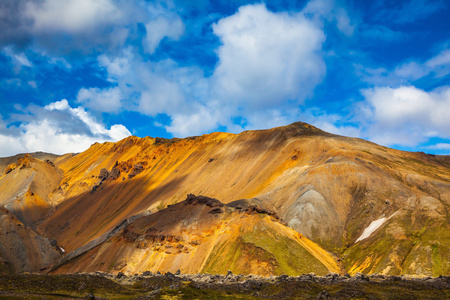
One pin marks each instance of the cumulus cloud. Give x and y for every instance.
(71, 16)
(405, 115)
(56, 128)
(267, 58)
(267, 63)
(104, 100)
(150, 88)
(202, 119)
(395, 112)
(83, 26)
(62, 26)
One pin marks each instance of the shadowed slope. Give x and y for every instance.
(21, 249)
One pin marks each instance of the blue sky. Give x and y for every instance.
(77, 72)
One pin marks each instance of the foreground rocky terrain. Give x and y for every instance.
(288, 200)
(205, 286)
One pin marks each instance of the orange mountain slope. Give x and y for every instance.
(201, 235)
(6, 161)
(26, 187)
(381, 210)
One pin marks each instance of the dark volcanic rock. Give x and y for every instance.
(202, 200)
(137, 168)
(114, 174)
(103, 174)
(323, 295)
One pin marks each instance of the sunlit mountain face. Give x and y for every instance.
(288, 200)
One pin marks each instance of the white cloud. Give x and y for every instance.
(116, 66)
(23, 60)
(18, 60)
(56, 128)
(442, 58)
(267, 58)
(54, 27)
(268, 63)
(202, 120)
(266, 119)
(105, 100)
(332, 11)
(394, 112)
(72, 16)
(439, 146)
(161, 96)
(9, 143)
(161, 27)
(409, 71)
(149, 88)
(440, 64)
(405, 115)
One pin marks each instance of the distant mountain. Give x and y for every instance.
(372, 209)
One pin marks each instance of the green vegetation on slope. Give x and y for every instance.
(263, 247)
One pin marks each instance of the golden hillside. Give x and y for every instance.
(377, 209)
(201, 235)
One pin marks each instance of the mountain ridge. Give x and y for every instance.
(329, 188)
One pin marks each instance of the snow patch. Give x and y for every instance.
(372, 227)
(62, 250)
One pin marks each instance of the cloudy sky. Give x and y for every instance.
(75, 72)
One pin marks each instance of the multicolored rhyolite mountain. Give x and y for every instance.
(287, 200)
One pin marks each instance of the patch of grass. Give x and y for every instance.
(291, 257)
(63, 286)
(438, 261)
(32, 286)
